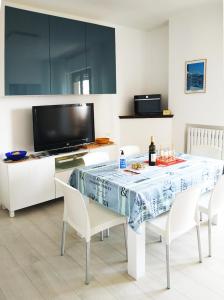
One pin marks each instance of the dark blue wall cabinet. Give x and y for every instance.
(67, 55)
(100, 57)
(27, 68)
(52, 55)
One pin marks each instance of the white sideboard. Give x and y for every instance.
(30, 182)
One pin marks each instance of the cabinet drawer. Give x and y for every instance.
(69, 161)
(31, 182)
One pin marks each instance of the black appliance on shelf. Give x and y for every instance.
(147, 104)
(62, 128)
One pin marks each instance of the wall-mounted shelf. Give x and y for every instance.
(145, 117)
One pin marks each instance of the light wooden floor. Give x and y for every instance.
(31, 268)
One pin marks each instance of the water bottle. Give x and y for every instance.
(123, 163)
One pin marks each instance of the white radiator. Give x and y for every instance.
(205, 142)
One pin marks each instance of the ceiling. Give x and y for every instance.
(141, 14)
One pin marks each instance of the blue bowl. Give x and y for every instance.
(16, 155)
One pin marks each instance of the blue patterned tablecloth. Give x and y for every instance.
(149, 194)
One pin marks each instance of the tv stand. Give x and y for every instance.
(30, 182)
(63, 150)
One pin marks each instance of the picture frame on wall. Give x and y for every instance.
(195, 76)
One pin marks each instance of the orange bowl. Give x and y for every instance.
(102, 140)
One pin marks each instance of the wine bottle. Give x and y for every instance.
(152, 152)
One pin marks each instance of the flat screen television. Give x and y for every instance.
(63, 126)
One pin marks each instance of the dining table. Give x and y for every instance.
(143, 194)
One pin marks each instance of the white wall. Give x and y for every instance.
(139, 131)
(15, 111)
(196, 34)
(131, 61)
(158, 61)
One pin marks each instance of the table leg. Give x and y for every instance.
(136, 252)
(12, 213)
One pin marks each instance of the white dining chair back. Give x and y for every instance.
(130, 150)
(86, 218)
(216, 204)
(64, 175)
(181, 218)
(212, 204)
(75, 210)
(183, 213)
(93, 158)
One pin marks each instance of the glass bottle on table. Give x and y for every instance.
(152, 152)
(123, 162)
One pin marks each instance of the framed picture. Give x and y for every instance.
(195, 76)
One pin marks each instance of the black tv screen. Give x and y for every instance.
(62, 126)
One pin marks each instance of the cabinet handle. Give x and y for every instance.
(68, 159)
(65, 160)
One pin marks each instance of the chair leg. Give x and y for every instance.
(215, 220)
(199, 243)
(107, 232)
(101, 235)
(160, 239)
(63, 238)
(168, 265)
(125, 240)
(210, 237)
(201, 217)
(87, 261)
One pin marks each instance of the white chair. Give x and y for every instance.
(87, 219)
(130, 150)
(64, 175)
(212, 204)
(93, 158)
(181, 218)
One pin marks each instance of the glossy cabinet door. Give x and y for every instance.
(27, 68)
(52, 55)
(67, 56)
(100, 57)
